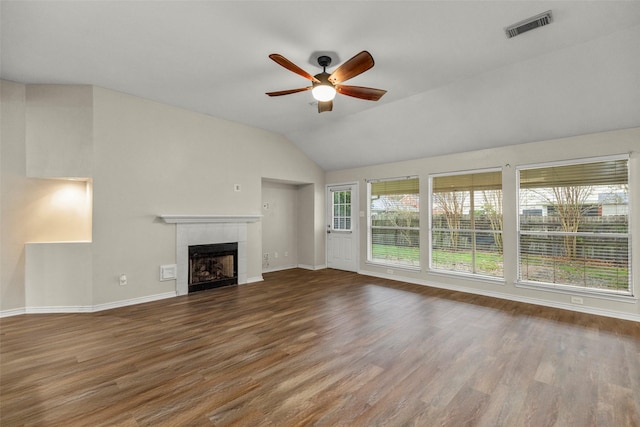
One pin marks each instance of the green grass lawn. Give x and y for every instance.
(400, 254)
(590, 274)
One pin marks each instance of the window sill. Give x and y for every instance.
(394, 266)
(475, 277)
(572, 290)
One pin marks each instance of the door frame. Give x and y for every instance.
(355, 219)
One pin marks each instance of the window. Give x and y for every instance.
(574, 225)
(341, 210)
(394, 222)
(466, 223)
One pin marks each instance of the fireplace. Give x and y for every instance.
(194, 230)
(212, 266)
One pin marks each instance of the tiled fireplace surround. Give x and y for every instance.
(208, 229)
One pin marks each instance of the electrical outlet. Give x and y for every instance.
(275, 254)
(123, 279)
(577, 300)
(265, 257)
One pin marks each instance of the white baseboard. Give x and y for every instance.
(60, 309)
(527, 300)
(284, 267)
(85, 308)
(255, 279)
(12, 312)
(133, 301)
(312, 267)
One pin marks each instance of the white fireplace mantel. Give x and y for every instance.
(207, 219)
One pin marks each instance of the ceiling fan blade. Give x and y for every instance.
(292, 67)
(354, 66)
(289, 91)
(368, 93)
(325, 106)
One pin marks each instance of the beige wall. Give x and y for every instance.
(280, 225)
(13, 187)
(507, 158)
(59, 131)
(147, 159)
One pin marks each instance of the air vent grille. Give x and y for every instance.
(529, 24)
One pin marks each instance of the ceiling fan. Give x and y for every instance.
(324, 85)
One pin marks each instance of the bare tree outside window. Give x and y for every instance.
(452, 204)
(569, 203)
(493, 210)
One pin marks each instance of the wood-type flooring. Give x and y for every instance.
(325, 348)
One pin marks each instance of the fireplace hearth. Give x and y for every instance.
(212, 266)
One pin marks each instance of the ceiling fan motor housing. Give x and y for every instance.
(324, 79)
(324, 61)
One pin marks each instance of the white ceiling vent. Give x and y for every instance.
(529, 24)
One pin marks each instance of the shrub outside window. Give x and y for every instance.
(394, 222)
(466, 223)
(573, 225)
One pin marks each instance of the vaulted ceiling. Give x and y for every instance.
(455, 82)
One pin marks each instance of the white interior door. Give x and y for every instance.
(342, 227)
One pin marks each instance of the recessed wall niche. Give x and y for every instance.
(60, 211)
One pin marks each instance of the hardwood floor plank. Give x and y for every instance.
(323, 348)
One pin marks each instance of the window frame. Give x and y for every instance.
(628, 295)
(468, 275)
(370, 260)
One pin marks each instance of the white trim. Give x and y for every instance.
(254, 279)
(559, 288)
(312, 267)
(12, 312)
(468, 276)
(284, 267)
(133, 301)
(60, 309)
(86, 308)
(199, 219)
(394, 266)
(535, 301)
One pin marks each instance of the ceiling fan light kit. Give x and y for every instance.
(324, 86)
(323, 91)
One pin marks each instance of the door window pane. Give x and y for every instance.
(342, 210)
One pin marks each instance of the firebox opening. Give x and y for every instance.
(212, 266)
